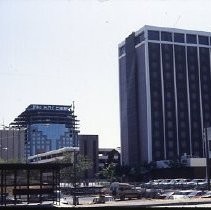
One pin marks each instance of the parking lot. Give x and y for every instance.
(159, 191)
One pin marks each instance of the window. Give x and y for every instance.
(170, 144)
(206, 107)
(205, 87)
(154, 74)
(193, 96)
(170, 154)
(178, 37)
(180, 76)
(155, 94)
(206, 96)
(166, 36)
(168, 95)
(203, 40)
(168, 75)
(157, 144)
(182, 115)
(155, 104)
(167, 65)
(153, 35)
(170, 134)
(195, 124)
(192, 77)
(157, 154)
(156, 134)
(183, 144)
(193, 86)
(204, 77)
(179, 67)
(169, 104)
(192, 67)
(183, 134)
(204, 69)
(170, 124)
(196, 144)
(156, 123)
(182, 124)
(190, 38)
(156, 114)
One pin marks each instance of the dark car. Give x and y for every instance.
(125, 190)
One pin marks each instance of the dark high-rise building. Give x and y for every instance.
(88, 147)
(165, 93)
(48, 127)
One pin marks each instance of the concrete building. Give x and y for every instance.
(12, 145)
(49, 127)
(165, 94)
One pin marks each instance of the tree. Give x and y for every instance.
(70, 175)
(109, 172)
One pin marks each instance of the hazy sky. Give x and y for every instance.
(59, 51)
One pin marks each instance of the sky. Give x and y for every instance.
(60, 51)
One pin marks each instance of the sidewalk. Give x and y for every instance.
(142, 203)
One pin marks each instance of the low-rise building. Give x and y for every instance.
(107, 156)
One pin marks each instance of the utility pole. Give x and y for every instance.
(207, 158)
(74, 158)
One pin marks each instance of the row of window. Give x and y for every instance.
(178, 37)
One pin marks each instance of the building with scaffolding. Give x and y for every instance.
(47, 127)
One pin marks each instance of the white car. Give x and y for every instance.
(63, 201)
(103, 199)
(181, 194)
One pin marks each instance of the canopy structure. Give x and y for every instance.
(30, 183)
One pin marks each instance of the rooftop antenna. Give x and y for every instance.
(73, 106)
(177, 20)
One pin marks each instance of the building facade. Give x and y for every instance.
(49, 127)
(165, 93)
(107, 156)
(88, 147)
(12, 145)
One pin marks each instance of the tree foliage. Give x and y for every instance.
(75, 174)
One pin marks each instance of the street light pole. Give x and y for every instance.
(207, 158)
(74, 160)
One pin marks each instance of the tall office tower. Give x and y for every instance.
(48, 127)
(165, 93)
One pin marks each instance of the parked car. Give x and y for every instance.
(174, 183)
(164, 183)
(181, 194)
(201, 184)
(195, 183)
(102, 199)
(164, 195)
(182, 183)
(195, 194)
(207, 195)
(156, 183)
(124, 190)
